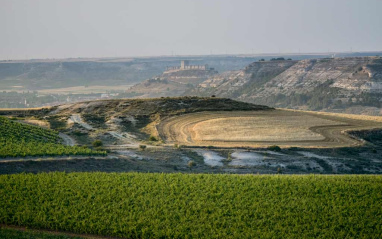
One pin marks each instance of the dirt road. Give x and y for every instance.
(76, 118)
(67, 139)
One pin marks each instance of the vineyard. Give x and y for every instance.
(20, 140)
(144, 205)
(27, 234)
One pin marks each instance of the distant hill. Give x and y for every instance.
(49, 75)
(352, 84)
(60, 73)
(170, 83)
(53, 74)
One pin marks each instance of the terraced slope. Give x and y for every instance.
(264, 128)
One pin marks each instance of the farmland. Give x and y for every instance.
(264, 128)
(144, 205)
(21, 140)
(21, 233)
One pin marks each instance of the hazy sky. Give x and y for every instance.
(95, 28)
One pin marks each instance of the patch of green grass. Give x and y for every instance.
(144, 205)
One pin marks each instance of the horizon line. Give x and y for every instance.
(193, 55)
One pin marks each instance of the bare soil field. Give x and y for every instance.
(264, 128)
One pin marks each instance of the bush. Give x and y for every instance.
(97, 143)
(79, 133)
(191, 163)
(153, 138)
(142, 147)
(274, 148)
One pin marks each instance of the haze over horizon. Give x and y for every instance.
(84, 28)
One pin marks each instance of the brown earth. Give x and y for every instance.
(265, 128)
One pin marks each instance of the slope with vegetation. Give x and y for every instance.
(20, 140)
(143, 205)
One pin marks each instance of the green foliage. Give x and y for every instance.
(278, 59)
(20, 140)
(274, 148)
(16, 234)
(153, 138)
(97, 143)
(56, 123)
(79, 133)
(95, 119)
(144, 205)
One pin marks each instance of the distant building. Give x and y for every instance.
(185, 65)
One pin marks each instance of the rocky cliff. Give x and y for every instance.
(334, 84)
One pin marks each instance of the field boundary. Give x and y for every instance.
(57, 233)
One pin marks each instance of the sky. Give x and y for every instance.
(37, 29)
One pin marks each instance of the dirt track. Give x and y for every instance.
(67, 139)
(264, 128)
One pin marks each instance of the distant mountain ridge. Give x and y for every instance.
(53, 74)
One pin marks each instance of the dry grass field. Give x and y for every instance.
(264, 128)
(85, 89)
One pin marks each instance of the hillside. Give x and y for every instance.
(149, 107)
(220, 135)
(352, 85)
(170, 83)
(20, 140)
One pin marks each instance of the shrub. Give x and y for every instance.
(153, 138)
(191, 163)
(79, 133)
(97, 143)
(229, 157)
(274, 148)
(142, 147)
